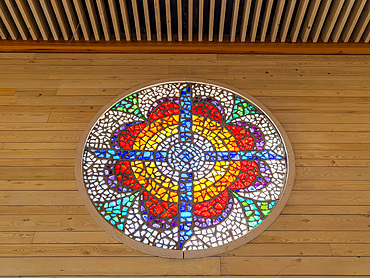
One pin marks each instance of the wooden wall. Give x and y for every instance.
(46, 101)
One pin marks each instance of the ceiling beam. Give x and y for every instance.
(186, 47)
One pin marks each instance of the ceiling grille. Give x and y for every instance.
(186, 20)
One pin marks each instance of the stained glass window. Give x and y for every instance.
(184, 169)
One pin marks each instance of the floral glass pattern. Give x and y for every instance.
(184, 166)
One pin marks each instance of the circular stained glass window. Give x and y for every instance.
(184, 168)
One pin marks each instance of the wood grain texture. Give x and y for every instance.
(323, 102)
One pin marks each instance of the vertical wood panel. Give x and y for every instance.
(168, 20)
(3, 32)
(352, 20)
(362, 23)
(28, 18)
(22, 29)
(115, 20)
(126, 22)
(320, 20)
(52, 23)
(222, 21)
(157, 11)
(287, 19)
(136, 19)
(200, 21)
(299, 19)
(39, 17)
(72, 19)
(103, 19)
(82, 19)
(211, 19)
(62, 20)
(342, 20)
(311, 14)
(277, 18)
(331, 19)
(266, 19)
(367, 34)
(93, 19)
(8, 21)
(190, 20)
(255, 19)
(147, 20)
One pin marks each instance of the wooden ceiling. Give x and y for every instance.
(216, 22)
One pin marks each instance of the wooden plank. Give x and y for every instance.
(115, 20)
(200, 20)
(27, 223)
(157, 12)
(295, 266)
(179, 20)
(361, 24)
(44, 210)
(211, 19)
(103, 19)
(328, 198)
(66, 250)
(93, 19)
(320, 223)
(307, 210)
(352, 20)
(48, 173)
(234, 20)
(51, 20)
(16, 237)
(342, 20)
(176, 47)
(296, 27)
(41, 146)
(168, 20)
(15, 198)
(15, 162)
(60, 153)
(40, 19)
(255, 19)
(330, 173)
(331, 19)
(277, 19)
(121, 250)
(28, 18)
(267, 250)
(190, 19)
(24, 117)
(147, 20)
(40, 136)
(8, 21)
(16, 16)
(126, 23)
(128, 265)
(287, 19)
(222, 21)
(42, 126)
(310, 17)
(62, 20)
(136, 19)
(348, 250)
(266, 19)
(66, 237)
(301, 237)
(41, 185)
(72, 19)
(82, 19)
